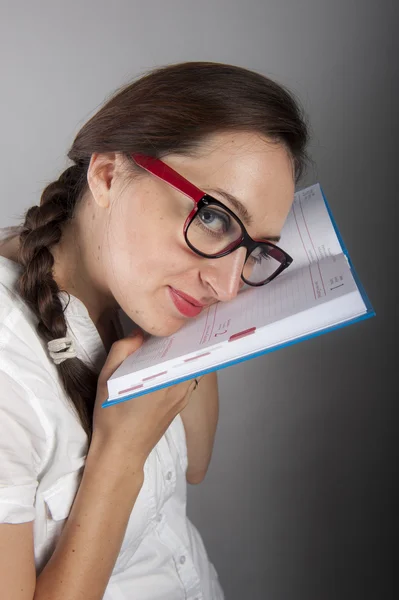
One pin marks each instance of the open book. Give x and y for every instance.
(317, 293)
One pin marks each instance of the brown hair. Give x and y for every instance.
(170, 109)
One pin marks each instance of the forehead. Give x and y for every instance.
(257, 171)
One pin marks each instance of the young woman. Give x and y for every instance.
(177, 194)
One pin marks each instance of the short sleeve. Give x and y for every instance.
(22, 447)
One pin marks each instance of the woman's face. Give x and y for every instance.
(145, 261)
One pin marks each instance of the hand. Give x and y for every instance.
(134, 427)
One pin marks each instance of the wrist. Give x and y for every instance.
(115, 463)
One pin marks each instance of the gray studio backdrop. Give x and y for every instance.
(296, 502)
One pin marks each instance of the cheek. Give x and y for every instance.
(142, 247)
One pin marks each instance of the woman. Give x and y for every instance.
(92, 500)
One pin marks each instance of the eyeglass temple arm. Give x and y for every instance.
(167, 174)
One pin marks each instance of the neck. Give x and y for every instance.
(77, 271)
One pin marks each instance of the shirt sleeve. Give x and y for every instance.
(22, 448)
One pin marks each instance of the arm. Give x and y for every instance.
(123, 437)
(17, 564)
(200, 418)
(89, 544)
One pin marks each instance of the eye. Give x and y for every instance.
(214, 220)
(258, 255)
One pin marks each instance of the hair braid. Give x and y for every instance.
(42, 229)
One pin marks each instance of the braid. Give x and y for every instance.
(42, 229)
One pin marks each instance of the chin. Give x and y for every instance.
(153, 316)
(160, 329)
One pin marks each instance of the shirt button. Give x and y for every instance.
(169, 475)
(182, 560)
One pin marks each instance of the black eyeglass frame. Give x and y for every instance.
(201, 200)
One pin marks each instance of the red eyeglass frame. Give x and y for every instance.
(159, 169)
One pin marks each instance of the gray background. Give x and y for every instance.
(298, 502)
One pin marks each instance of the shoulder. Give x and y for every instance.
(21, 348)
(22, 352)
(13, 311)
(25, 368)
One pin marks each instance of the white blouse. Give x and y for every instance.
(42, 454)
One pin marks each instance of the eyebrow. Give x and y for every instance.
(242, 211)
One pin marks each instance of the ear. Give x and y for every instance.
(100, 176)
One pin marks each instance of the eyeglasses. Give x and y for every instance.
(212, 230)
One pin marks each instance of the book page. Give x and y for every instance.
(254, 308)
(308, 234)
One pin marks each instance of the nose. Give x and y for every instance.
(223, 275)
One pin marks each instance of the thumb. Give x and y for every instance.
(120, 350)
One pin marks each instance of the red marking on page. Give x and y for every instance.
(314, 249)
(194, 357)
(206, 323)
(304, 247)
(152, 376)
(241, 334)
(135, 387)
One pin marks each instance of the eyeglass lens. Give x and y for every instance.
(214, 231)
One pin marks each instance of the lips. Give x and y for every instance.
(185, 304)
